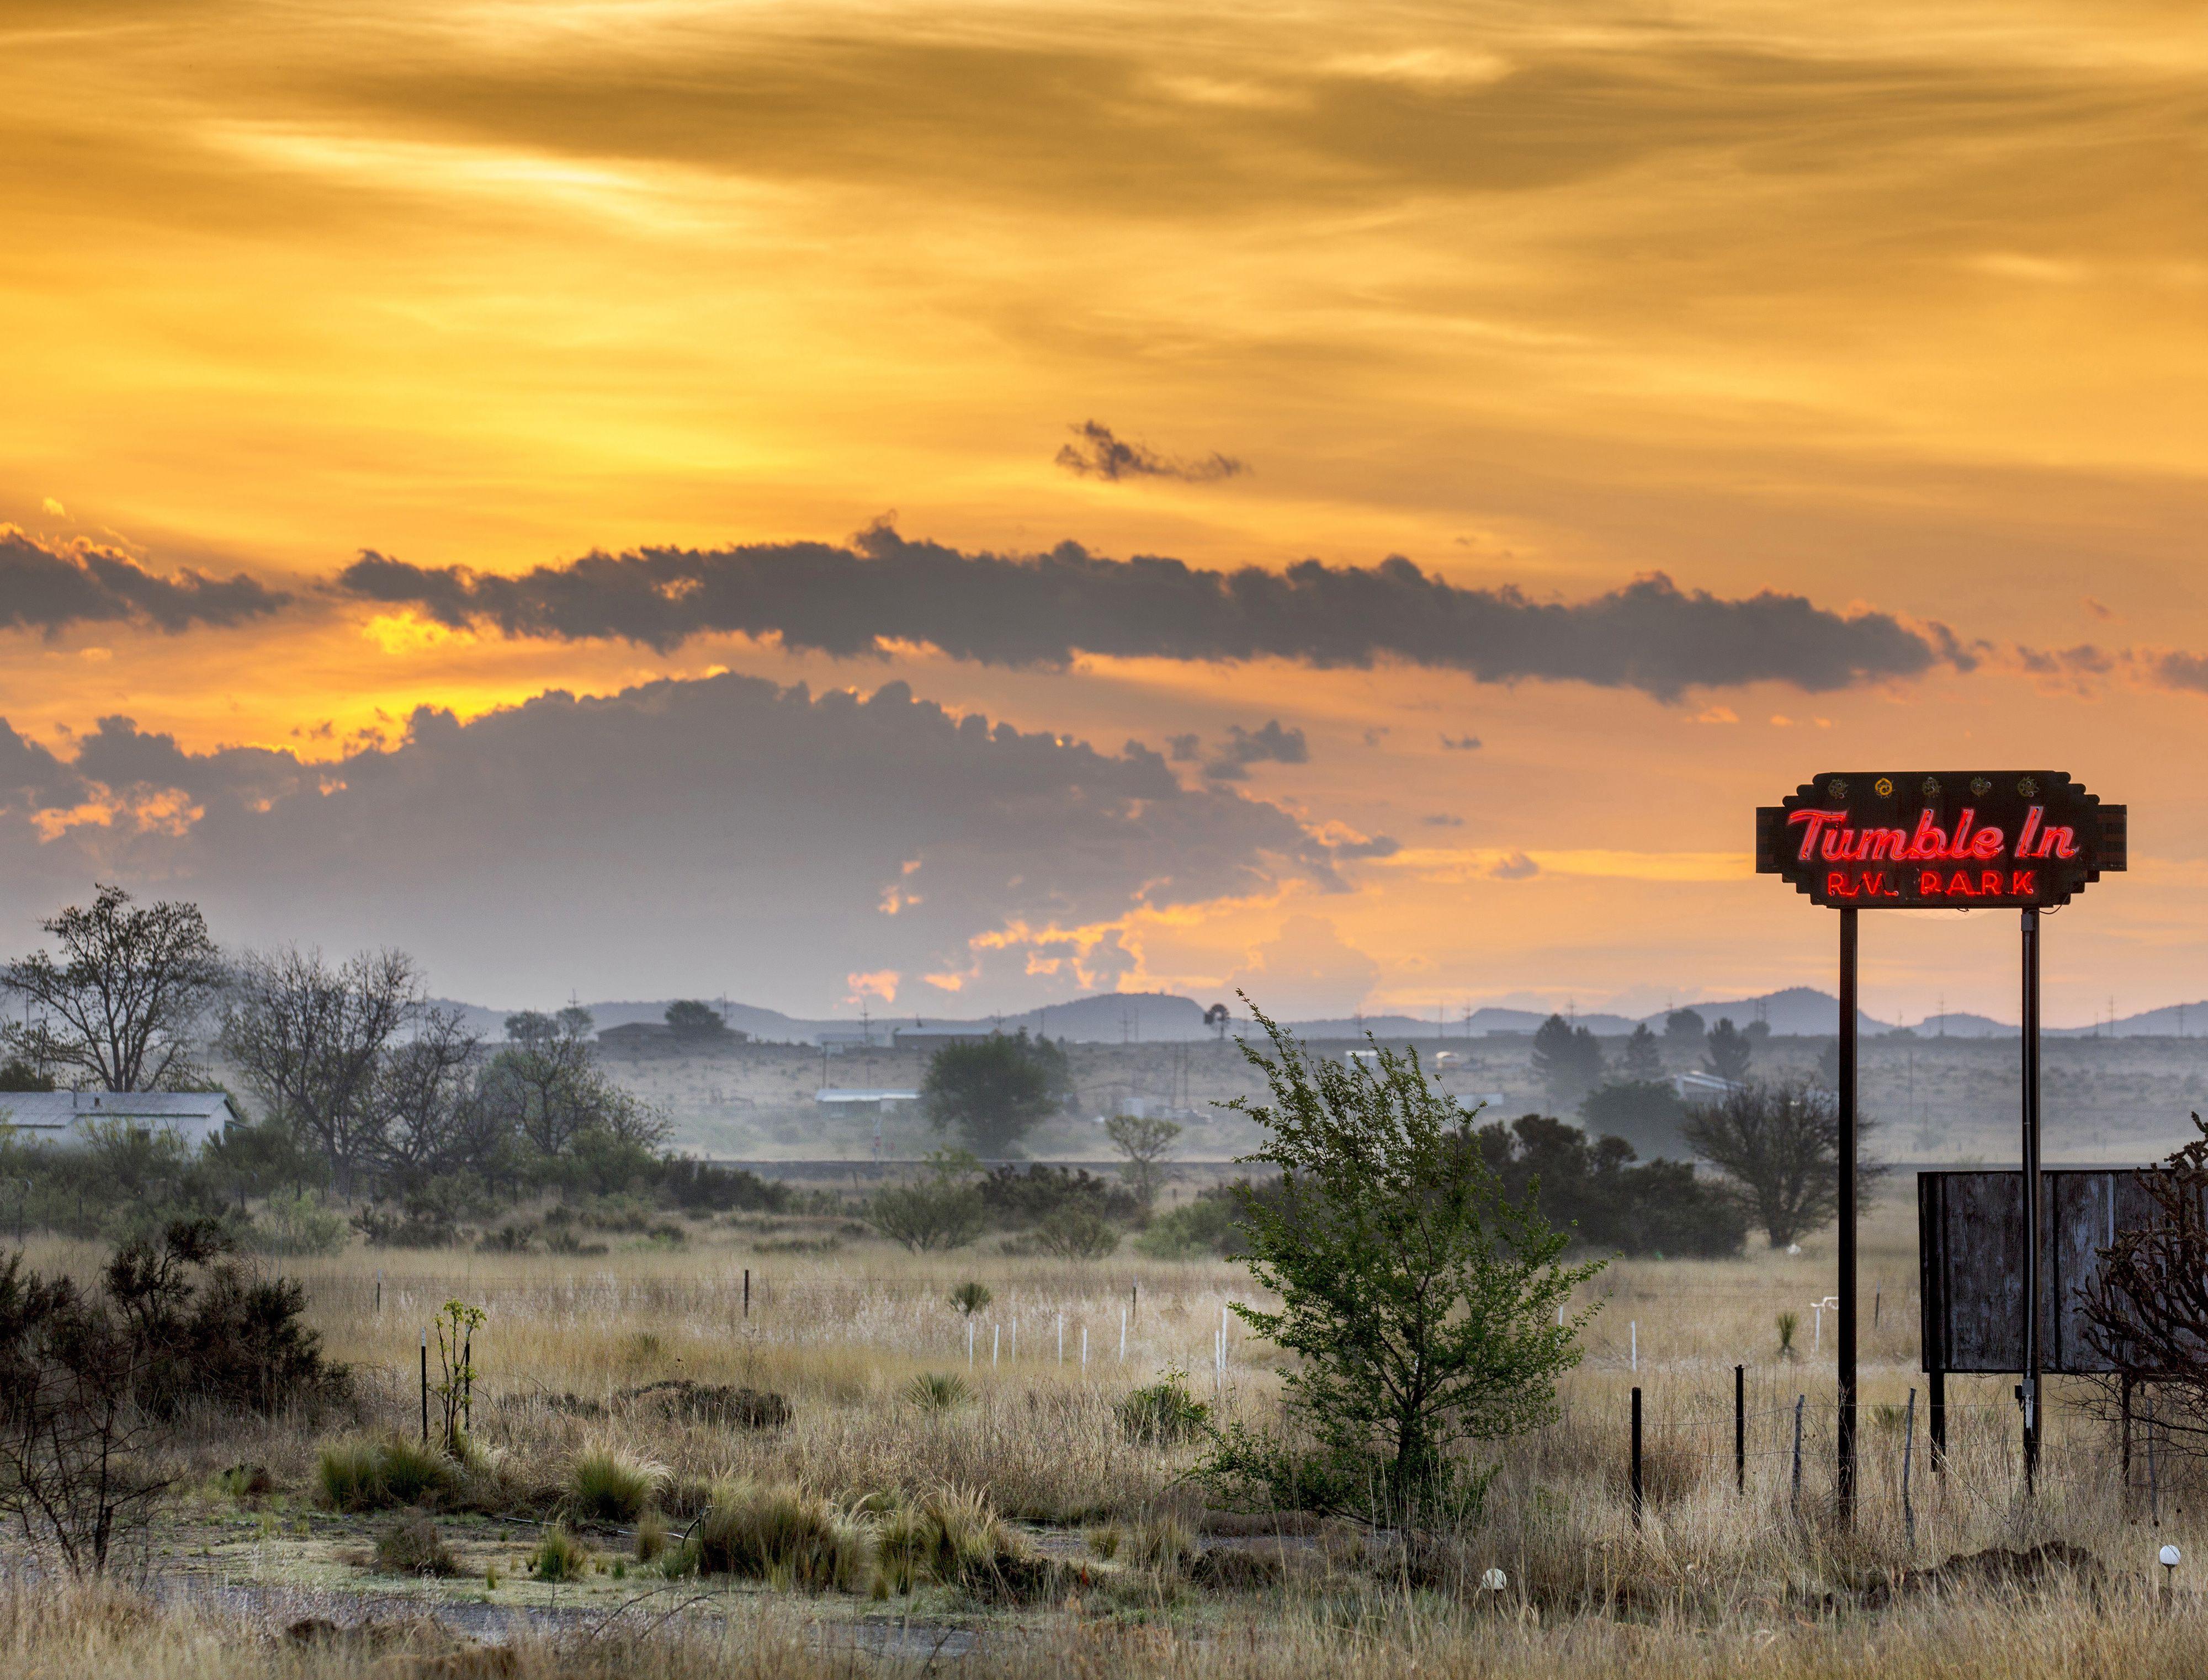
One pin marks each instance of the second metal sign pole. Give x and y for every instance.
(1844, 1484)
(2031, 1350)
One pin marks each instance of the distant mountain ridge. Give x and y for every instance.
(1165, 1017)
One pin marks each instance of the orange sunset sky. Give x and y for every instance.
(1879, 331)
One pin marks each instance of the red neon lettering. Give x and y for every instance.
(1815, 821)
(1959, 846)
(1960, 887)
(2031, 827)
(1841, 886)
(1836, 845)
(1989, 883)
(2023, 883)
(1879, 843)
(1928, 883)
(1928, 842)
(2060, 842)
(1874, 885)
(1986, 843)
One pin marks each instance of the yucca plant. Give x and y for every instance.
(938, 1391)
(1788, 1323)
(969, 1297)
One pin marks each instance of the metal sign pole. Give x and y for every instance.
(2031, 1351)
(1845, 1477)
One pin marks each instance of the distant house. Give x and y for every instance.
(863, 1102)
(637, 1035)
(1693, 1087)
(836, 1040)
(63, 1118)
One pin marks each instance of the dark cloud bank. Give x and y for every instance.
(1041, 609)
(48, 588)
(722, 831)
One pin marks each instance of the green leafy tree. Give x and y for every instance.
(1568, 1061)
(1684, 1028)
(1419, 1301)
(994, 1091)
(1729, 1052)
(1645, 1113)
(943, 1211)
(1644, 1060)
(116, 1009)
(696, 1022)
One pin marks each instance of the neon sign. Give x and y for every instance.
(1947, 840)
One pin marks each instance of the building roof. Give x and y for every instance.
(59, 1110)
(840, 1094)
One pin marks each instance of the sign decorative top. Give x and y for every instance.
(1945, 840)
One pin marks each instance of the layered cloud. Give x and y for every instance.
(720, 828)
(1045, 609)
(49, 588)
(1097, 452)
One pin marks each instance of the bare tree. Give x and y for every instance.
(547, 1089)
(117, 1008)
(2146, 1310)
(1147, 1141)
(1779, 1144)
(430, 1115)
(311, 1040)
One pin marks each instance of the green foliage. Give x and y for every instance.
(944, 1211)
(938, 1391)
(605, 1485)
(969, 1298)
(1164, 1414)
(695, 1023)
(1645, 1113)
(18, 1074)
(412, 1546)
(1147, 1141)
(295, 1222)
(700, 1185)
(559, 1555)
(456, 1324)
(949, 1534)
(1644, 1060)
(785, 1536)
(1210, 1225)
(1077, 1234)
(1418, 1300)
(1788, 1322)
(1592, 1187)
(1020, 1197)
(993, 1091)
(1685, 1027)
(1567, 1060)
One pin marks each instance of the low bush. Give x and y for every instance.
(943, 1214)
(1164, 1413)
(412, 1546)
(1019, 1197)
(1077, 1234)
(938, 1391)
(295, 1222)
(722, 1403)
(605, 1485)
(949, 1535)
(1159, 1543)
(702, 1187)
(785, 1536)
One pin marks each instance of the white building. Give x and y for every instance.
(63, 1118)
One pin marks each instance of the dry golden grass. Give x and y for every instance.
(1713, 1581)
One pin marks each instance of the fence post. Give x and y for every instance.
(1908, 1452)
(2153, 1483)
(425, 1388)
(747, 1292)
(1797, 1503)
(1636, 1457)
(1935, 1383)
(1740, 1430)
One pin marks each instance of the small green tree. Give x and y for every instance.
(1644, 1061)
(994, 1091)
(695, 1021)
(1568, 1061)
(1420, 1302)
(1729, 1054)
(943, 1211)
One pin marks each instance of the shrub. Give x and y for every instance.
(940, 1214)
(1210, 1224)
(785, 1536)
(701, 1186)
(1592, 1186)
(938, 1391)
(1160, 1542)
(650, 1537)
(969, 1298)
(412, 1546)
(559, 1555)
(608, 1485)
(1164, 1413)
(1077, 1234)
(714, 1403)
(295, 1222)
(1016, 1197)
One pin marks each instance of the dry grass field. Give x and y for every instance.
(1713, 1580)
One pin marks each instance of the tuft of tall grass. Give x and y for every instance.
(606, 1485)
(559, 1555)
(948, 1535)
(782, 1535)
(412, 1546)
(374, 1475)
